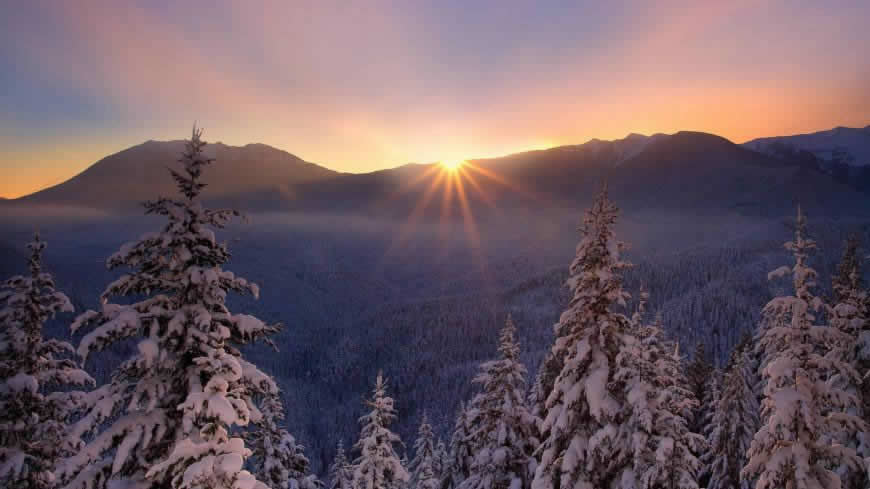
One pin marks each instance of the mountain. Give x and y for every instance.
(685, 170)
(842, 152)
(848, 145)
(139, 173)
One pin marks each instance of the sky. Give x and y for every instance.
(360, 86)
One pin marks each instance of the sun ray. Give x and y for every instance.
(501, 180)
(415, 215)
(468, 177)
(446, 211)
(406, 187)
(473, 236)
(466, 183)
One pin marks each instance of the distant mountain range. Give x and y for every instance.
(828, 171)
(846, 145)
(842, 152)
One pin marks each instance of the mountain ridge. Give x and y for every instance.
(660, 169)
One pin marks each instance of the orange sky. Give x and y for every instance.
(358, 88)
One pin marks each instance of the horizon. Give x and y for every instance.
(390, 167)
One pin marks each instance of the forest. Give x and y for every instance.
(626, 391)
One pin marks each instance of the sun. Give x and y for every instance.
(452, 165)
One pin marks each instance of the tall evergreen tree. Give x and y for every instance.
(168, 417)
(378, 466)
(548, 371)
(850, 316)
(698, 374)
(792, 448)
(340, 472)
(712, 395)
(458, 467)
(502, 436)
(585, 443)
(659, 405)
(735, 421)
(677, 446)
(423, 466)
(277, 459)
(848, 276)
(32, 417)
(442, 460)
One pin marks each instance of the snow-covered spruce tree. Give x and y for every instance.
(712, 394)
(735, 421)
(277, 459)
(423, 465)
(340, 472)
(167, 419)
(458, 467)
(502, 436)
(792, 449)
(677, 449)
(659, 404)
(32, 417)
(378, 466)
(698, 375)
(848, 277)
(442, 459)
(850, 315)
(585, 444)
(548, 371)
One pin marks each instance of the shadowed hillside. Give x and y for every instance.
(136, 174)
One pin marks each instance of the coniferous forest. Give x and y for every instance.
(173, 379)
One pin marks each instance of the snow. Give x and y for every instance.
(853, 143)
(141, 426)
(23, 383)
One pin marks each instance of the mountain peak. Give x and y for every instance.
(135, 174)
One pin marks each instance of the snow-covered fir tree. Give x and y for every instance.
(734, 423)
(378, 465)
(277, 459)
(712, 394)
(848, 276)
(32, 417)
(442, 459)
(677, 446)
(658, 406)
(793, 449)
(502, 435)
(698, 375)
(459, 459)
(585, 443)
(849, 315)
(340, 472)
(424, 464)
(170, 414)
(542, 386)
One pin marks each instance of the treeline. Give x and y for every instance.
(615, 405)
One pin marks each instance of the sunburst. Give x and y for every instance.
(452, 166)
(452, 185)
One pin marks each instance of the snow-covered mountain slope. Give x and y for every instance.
(843, 153)
(848, 145)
